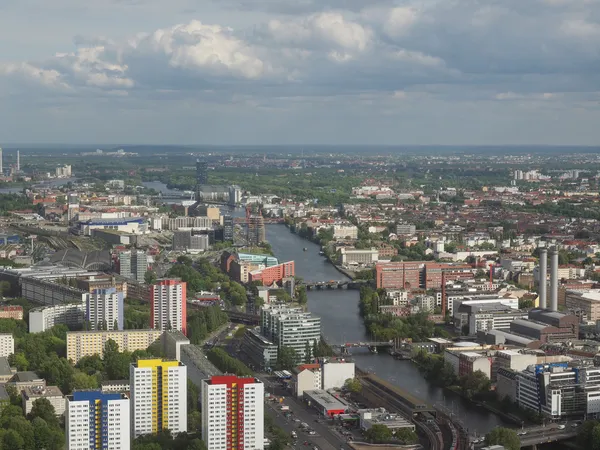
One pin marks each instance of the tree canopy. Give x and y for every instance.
(503, 436)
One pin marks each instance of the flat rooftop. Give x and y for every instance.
(41, 391)
(325, 399)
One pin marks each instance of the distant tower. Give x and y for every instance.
(18, 161)
(201, 172)
(1, 168)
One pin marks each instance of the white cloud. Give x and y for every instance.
(205, 47)
(284, 53)
(329, 28)
(400, 20)
(46, 77)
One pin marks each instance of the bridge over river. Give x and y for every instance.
(334, 284)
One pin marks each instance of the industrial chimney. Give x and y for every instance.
(542, 282)
(554, 279)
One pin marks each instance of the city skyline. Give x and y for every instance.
(316, 73)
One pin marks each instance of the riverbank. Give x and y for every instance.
(341, 322)
(348, 273)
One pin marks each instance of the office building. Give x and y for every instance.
(560, 390)
(168, 303)
(201, 172)
(7, 345)
(405, 228)
(105, 310)
(228, 226)
(158, 396)
(275, 274)
(345, 232)
(53, 394)
(399, 275)
(184, 240)
(290, 327)
(88, 343)
(199, 222)
(476, 316)
(233, 413)
(419, 274)
(97, 421)
(133, 264)
(235, 195)
(256, 230)
(584, 303)
(259, 350)
(353, 256)
(44, 318)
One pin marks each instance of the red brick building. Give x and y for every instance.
(11, 312)
(273, 274)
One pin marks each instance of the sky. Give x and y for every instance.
(403, 72)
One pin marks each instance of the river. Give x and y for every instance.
(341, 322)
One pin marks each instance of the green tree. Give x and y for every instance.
(584, 435)
(186, 260)
(379, 434)
(301, 296)
(47, 437)
(474, 383)
(287, 358)
(406, 436)
(82, 381)
(4, 288)
(503, 436)
(12, 440)
(150, 277)
(43, 409)
(353, 385)
(116, 364)
(91, 365)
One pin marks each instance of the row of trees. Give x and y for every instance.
(226, 363)
(202, 322)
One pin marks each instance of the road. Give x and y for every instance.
(326, 438)
(543, 434)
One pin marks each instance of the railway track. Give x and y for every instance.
(431, 430)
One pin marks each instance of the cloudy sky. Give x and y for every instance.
(300, 71)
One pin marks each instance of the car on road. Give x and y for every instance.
(522, 433)
(561, 427)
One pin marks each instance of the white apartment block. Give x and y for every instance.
(105, 309)
(290, 327)
(168, 306)
(158, 396)
(244, 418)
(44, 318)
(7, 345)
(88, 413)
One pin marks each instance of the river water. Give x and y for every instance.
(340, 322)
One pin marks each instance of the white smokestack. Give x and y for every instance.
(543, 276)
(18, 161)
(1, 168)
(554, 279)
